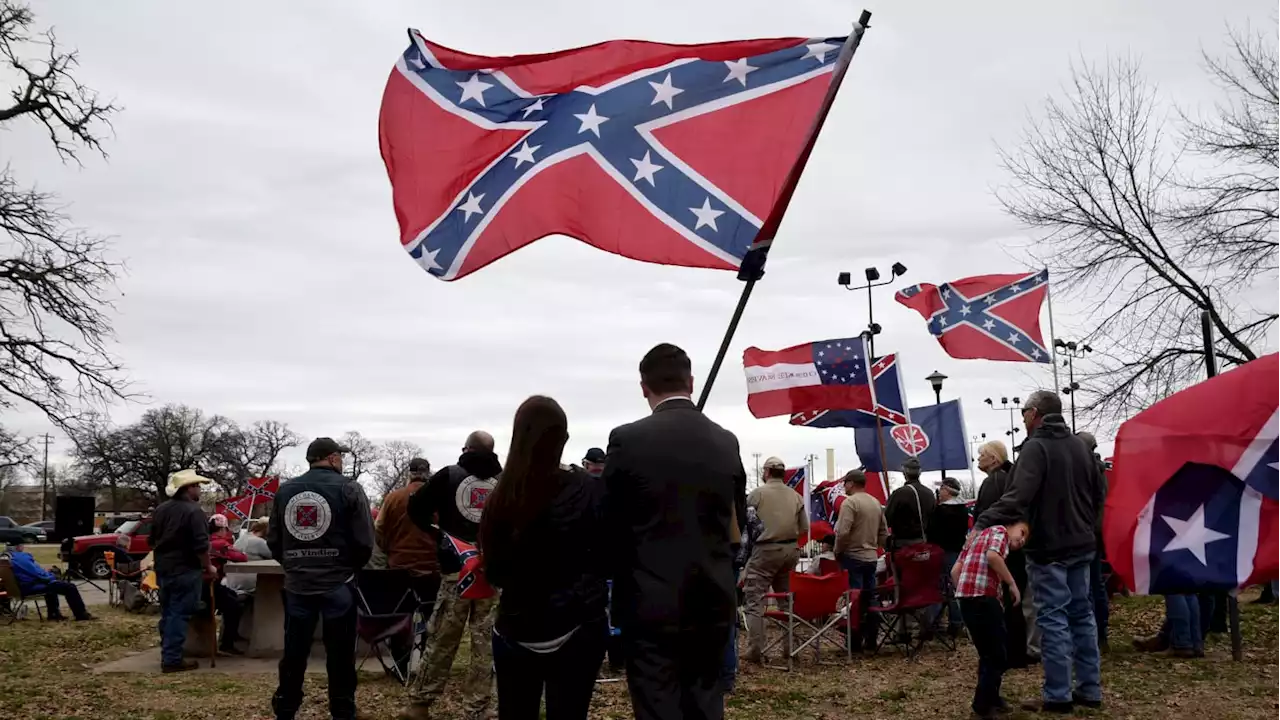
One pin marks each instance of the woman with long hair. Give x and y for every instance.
(540, 536)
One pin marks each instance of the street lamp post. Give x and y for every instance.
(872, 275)
(1013, 429)
(1072, 350)
(935, 379)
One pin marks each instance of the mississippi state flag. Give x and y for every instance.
(832, 374)
(992, 317)
(1192, 501)
(673, 154)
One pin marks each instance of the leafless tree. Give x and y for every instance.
(1099, 178)
(251, 452)
(55, 279)
(363, 457)
(15, 451)
(392, 468)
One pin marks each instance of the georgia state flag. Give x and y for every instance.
(1193, 501)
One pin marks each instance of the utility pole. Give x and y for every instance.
(44, 482)
(756, 455)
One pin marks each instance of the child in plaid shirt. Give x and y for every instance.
(977, 576)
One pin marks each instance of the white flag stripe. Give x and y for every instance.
(782, 376)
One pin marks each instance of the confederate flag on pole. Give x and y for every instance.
(992, 317)
(827, 375)
(672, 154)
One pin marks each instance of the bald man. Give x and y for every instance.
(454, 499)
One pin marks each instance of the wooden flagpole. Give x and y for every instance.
(752, 268)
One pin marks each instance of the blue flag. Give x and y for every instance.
(935, 436)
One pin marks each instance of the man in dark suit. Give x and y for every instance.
(675, 489)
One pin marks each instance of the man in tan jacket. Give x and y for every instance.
(782, 514)
(860, 533)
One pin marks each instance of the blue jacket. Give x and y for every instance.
(30, 576)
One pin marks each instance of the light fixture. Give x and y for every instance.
(872, 274)
(935, 379)
(899, 269)
(844, 278)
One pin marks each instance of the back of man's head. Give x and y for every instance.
(1045, 402)
(856, 479)
(1090, 441)
(478, 441)
(666, 370)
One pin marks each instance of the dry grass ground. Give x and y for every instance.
(43, 674)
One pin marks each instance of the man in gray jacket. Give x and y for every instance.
(321, 531)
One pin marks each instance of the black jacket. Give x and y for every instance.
(321, 531)
(552, 576)
(949, 525)
(179, 534)
(992, 488)
(1058, 489)
(906, 519)
(457, 495)
(672, 482)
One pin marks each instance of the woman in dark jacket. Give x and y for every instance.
(540, 536)
(993, 459)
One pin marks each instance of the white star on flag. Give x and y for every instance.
(416, 62)
(534, 107)
(471, 206)
(990, 299)
(1192, 534)
(524, 154)
(706, 216)
(664, 92)
(1015, 288)
(964, 310)
(473, 89)
(988, 324)
(428, 260)
(1013, 338)
(819, 51)
(738, 70)
(590, 120)
(645, 168)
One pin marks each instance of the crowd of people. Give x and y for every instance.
(639, 554)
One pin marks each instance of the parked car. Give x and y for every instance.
(87, 553)
(46, 527)
(112, 523)
(13, 533)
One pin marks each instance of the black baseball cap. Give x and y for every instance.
(419, 465)
(951, 483)
(323, 447)
(594, 455)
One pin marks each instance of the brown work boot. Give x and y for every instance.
(183, 666)
(1152, 643)
(416, 710)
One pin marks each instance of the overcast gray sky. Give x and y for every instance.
(246, 193)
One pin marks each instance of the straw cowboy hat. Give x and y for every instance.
(183, 478)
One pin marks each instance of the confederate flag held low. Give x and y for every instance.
(672, 154)
(1192, 500)
(827, 375)
(992, 317)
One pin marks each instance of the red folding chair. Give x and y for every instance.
(917, 586)
(816, 606)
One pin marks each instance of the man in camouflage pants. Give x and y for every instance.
(450, 620)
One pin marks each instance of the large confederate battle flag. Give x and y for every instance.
(993, 317)
(673, 154)
(1192, 502)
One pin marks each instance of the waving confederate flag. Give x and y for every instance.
(993, 317)
(832, 374)
(673, 154)
(1192, 502)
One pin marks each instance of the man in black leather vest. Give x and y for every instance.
(321, 532)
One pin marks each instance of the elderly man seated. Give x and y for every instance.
(35, 580)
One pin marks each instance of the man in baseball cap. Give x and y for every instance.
(180, 546)
(322, 448)
(774, 553)
(593, 462)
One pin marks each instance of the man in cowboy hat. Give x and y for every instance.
(180, 549)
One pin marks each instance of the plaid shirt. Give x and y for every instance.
(977, 579)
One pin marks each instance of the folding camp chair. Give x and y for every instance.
(385, 608)
(816, 606)
(917, 569)
(13, 593)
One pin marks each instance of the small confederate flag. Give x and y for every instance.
(795, 478)
(238, 507)
(472, 584)
(267, 487)
(992, 317)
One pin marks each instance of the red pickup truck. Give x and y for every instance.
(87, 553)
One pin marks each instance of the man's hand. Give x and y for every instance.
(210, 571)
(1017, 596)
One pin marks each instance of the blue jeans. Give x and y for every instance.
(862, 576)
(1101, 604)
(1185, 630)
(1068, 635)
(179, 596)
(337, 610)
